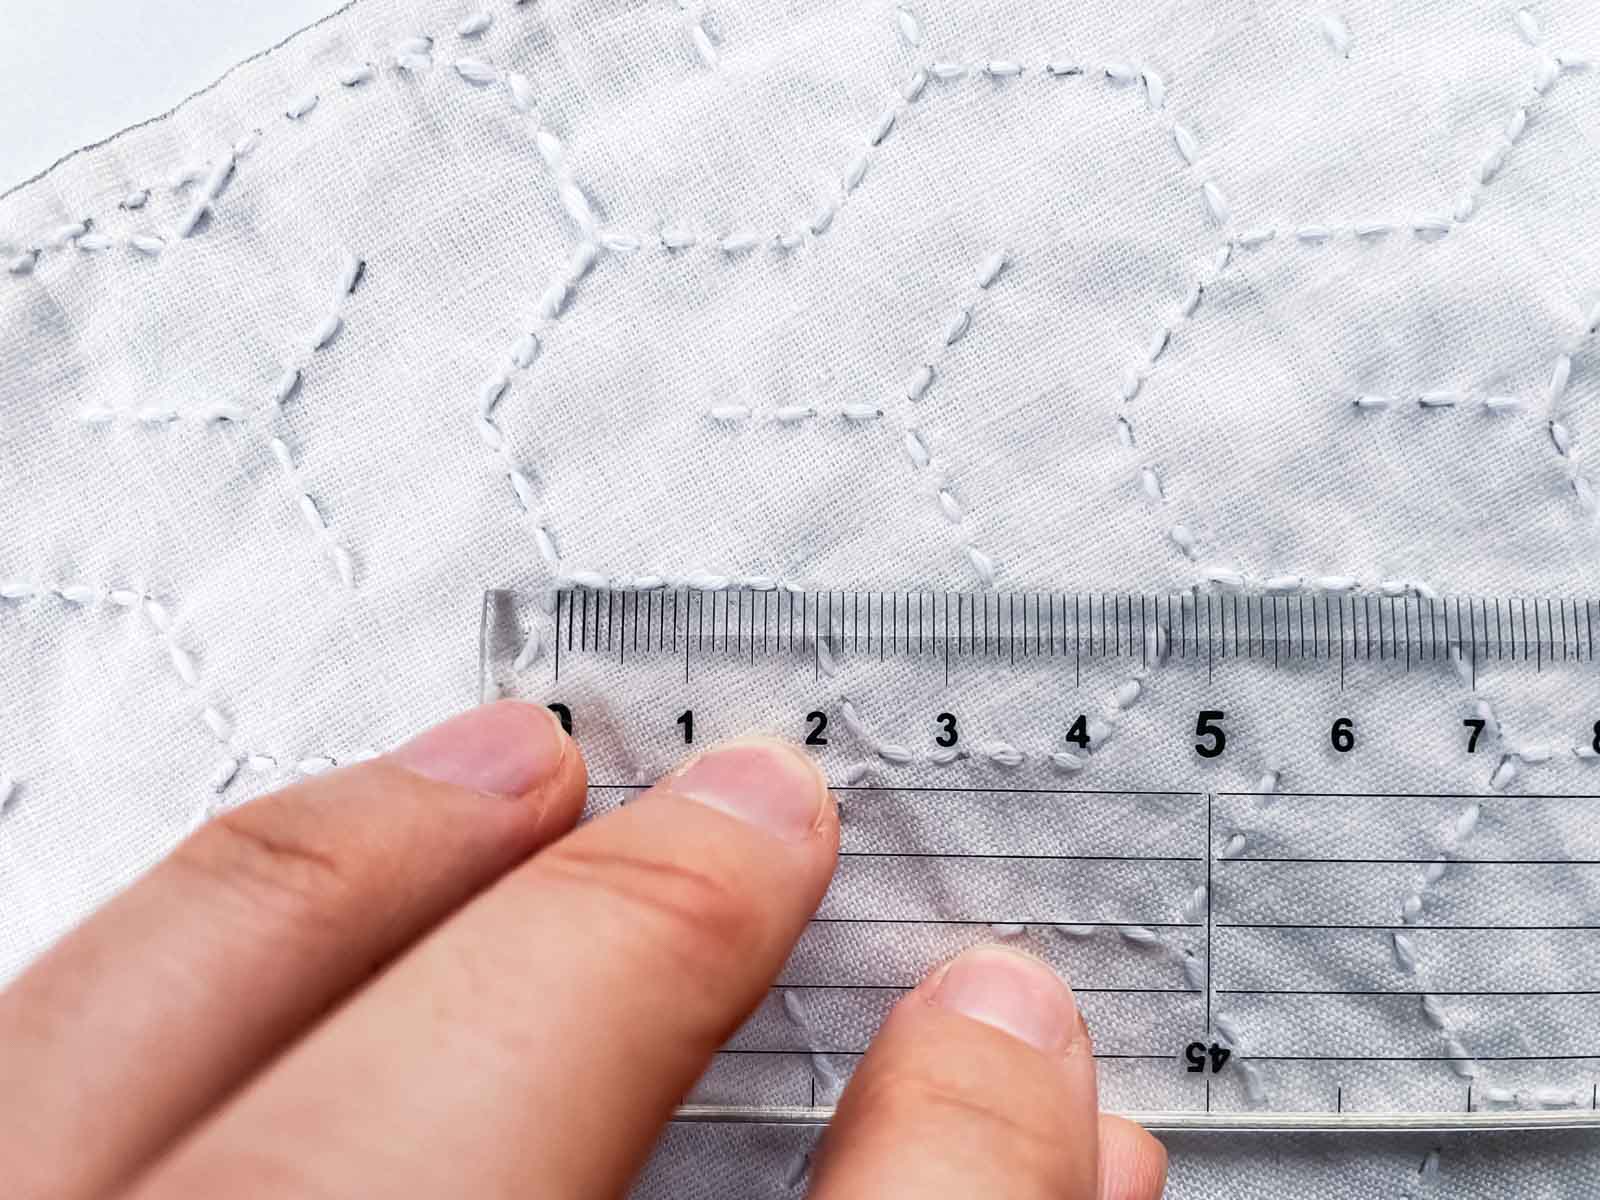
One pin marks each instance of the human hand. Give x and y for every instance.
(414, 978)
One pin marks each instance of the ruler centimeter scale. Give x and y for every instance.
(1210, 627)
(961, 637)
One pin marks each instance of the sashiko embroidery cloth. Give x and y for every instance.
(1003, 295)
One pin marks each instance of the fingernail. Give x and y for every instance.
(502, 749)
(765, 782)
(1011, 991)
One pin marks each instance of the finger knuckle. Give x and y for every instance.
(934, 1095)
(680, 910)
(275, 864)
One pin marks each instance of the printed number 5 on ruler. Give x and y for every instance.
(1261, 834)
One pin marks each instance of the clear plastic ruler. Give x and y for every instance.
(1310, 860)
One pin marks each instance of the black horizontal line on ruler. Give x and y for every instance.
(1412, 995)
(1407, 928)
(1175, 792)
(906, 987)
(1454, 862)
(1254, 1057)
(859, 1053)
(1150, 858)
(1421, 796)
(634, 787)
(1050, 921)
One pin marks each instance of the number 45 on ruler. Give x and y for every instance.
(1203, 1058)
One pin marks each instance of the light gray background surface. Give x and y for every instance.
(72, 74)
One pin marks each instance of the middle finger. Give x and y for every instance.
(546, 1032)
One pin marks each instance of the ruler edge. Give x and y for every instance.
(1220, 1122)
(1290, 1122)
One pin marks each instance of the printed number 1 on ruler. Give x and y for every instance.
(1161, 897)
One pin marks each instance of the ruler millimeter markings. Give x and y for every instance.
(715, 636)
(1010, 629)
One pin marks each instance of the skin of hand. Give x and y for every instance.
(420, 977)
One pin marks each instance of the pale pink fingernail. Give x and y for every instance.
(1011, 991)
(503, 749)
(762, 781)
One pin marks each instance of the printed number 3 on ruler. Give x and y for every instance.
(1242, 825)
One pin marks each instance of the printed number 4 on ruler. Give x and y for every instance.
(1289, 849)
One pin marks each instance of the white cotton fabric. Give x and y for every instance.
(1153, 257)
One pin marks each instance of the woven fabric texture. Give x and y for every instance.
(1215, 295)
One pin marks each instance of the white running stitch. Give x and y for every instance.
(1403, 946)
(1137, 372)
(523, 353)
(1268, 783)
(822, 1071)
(999, 752)
(158, 415)
(1432, 226)
(908, 25)
(84, 597)
(569, 192)
(1180, 945)
(857, 412)
(212, 712)
(694, 17)
(1514, 757)
(1440, 400)
(415, 55)
(290, 382)
(1005, 755)
(1335, 32)
(675, 236)
(1411, 907)
(181, 179)
(1546, 410)
(1229, 579)
(552, 305)
(211, 177)
(1433, 401)
(475, 24)
(1552, 426)
(1193, 968)
(995, 752)
(202, 185)
(914, 442)
(287, 386)
(1562, 437)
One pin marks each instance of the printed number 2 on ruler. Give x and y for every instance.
(1291, 852)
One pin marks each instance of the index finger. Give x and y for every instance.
(543, 1035)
